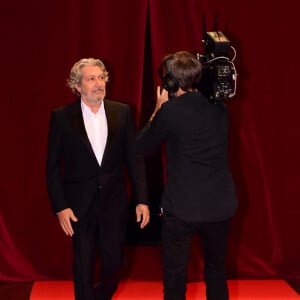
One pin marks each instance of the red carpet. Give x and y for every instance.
(152, 290)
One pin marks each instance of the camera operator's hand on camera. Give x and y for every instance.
(161, 97)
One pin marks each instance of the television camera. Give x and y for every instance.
(219, 76)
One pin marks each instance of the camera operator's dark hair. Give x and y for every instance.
(184, 67)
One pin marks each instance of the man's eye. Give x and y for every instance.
(91, 78)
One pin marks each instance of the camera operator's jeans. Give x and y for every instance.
(176, 239)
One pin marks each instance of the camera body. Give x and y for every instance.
(219, 75)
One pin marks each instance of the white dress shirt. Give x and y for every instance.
(96, 128)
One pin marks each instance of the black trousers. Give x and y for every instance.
(95, 236)
(176, 239)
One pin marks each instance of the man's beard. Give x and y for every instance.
(96, 99)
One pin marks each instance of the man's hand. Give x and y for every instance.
(142, 214)
(64, 217)
(162, 96)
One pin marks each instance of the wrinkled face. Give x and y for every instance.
(92, 85)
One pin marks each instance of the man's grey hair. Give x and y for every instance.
(76, 75)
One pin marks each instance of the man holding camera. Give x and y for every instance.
(199, 195)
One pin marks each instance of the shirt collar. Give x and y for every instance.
(87, 110)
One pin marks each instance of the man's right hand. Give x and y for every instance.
(64, 217)
(162, 96)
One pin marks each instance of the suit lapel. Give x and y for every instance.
(111, 127)
(78, 123)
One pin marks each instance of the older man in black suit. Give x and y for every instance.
(91, 145)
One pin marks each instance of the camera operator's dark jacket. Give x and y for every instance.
(199, 185)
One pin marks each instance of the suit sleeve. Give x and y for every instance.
(153, 135)
(54, 166)
(135, 164)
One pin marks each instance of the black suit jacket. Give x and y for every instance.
(73, 173)
(199, 185)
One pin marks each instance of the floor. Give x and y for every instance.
(140, 285)
(152, 290)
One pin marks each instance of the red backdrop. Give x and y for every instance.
(40, 41)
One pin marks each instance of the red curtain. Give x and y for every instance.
(40, 42)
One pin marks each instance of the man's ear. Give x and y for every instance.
(179, 92)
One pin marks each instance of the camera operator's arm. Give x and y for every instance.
(152, 135)
(161, 97)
